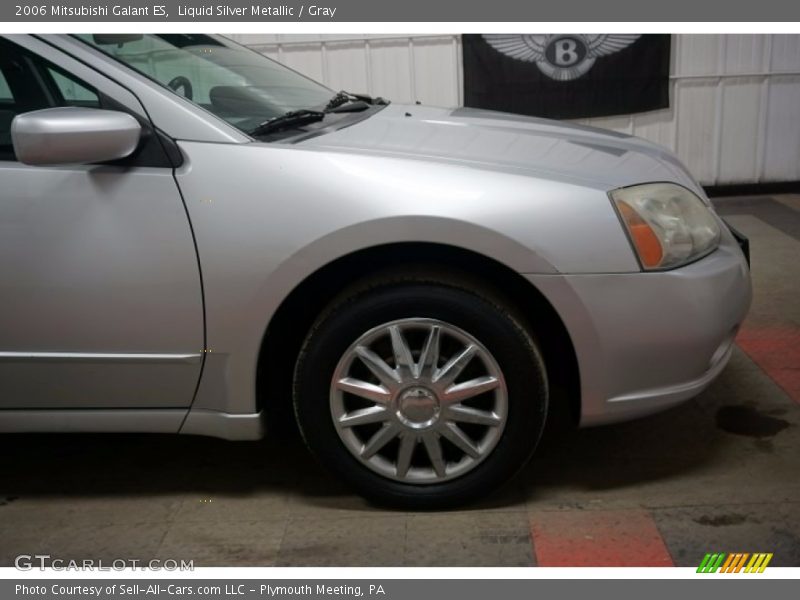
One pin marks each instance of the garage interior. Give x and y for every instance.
(718, 473)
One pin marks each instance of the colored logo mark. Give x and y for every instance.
(735, 563)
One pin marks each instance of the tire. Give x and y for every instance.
(418, 411)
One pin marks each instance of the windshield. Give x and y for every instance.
(236, 84)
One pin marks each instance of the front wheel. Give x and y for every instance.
(420, 394)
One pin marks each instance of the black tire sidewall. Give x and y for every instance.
(490, 324)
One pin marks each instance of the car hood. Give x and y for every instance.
(505, 142)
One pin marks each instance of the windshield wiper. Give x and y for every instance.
(347, 101)
(293, 118)
(341, 102)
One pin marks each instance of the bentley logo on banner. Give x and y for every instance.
(567, 76)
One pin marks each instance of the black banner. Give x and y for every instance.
(567, 76)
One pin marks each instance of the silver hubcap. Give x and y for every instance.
(418, 401)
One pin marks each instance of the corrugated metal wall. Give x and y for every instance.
(735, 99)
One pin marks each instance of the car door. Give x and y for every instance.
(100, 292)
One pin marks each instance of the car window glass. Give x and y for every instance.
(27, 83)
(5, 91)
(6, 114)
(164, 63)
(236, 84)
(73, 92)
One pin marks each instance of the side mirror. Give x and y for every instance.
(72, 135)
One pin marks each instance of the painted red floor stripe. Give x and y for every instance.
(776, 349)
(597, 538)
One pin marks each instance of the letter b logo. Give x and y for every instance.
(565, 52)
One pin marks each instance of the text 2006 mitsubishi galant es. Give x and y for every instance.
(193, 236)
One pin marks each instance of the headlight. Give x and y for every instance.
(667, 224)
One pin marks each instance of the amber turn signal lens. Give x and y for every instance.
(643, 236)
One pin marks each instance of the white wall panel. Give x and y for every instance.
(743, 53)
(347, 66)
(738, 148)
(697, 55)
(696, 101)
(785, 52)
(392, 74)
(306, 58)
(783, 130)
(657, 126)
(436, 69)
(734, 113)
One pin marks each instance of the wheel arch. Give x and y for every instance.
(290, 323)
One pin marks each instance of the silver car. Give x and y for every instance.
(195, 239)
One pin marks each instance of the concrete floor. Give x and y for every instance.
(718, 474)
